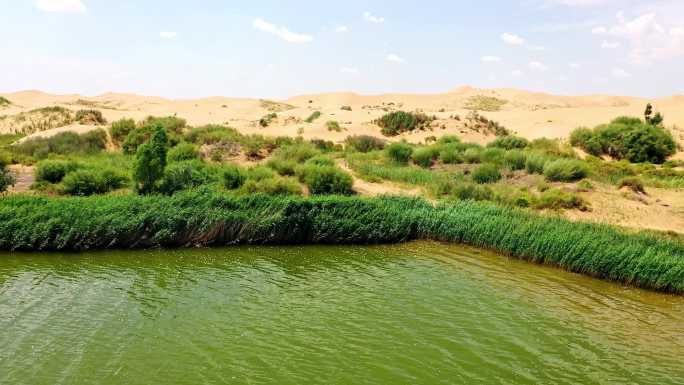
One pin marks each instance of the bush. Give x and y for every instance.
(633, 183)
(90, 117)
(397, 122)
(333, 126)
(282, 167)
(472, 155)
(424, 157)
(64, 143)
(509, 142)
(565, 170)
(534, 164)
(472, 192)
(555, 199)
(321, 160)
(183, 176)
(6, 179)
(627, 138)
(272, 186)
(451, 154)
(315, 115)
(171, 124)
(364, 143)
(150, 162)
(346, 108)
(53, 171)
(233, 177)
(486, 173)
(515, 160)
(87, 182)
(268, 119)
(182, 152)
(298, 153)
(399, 152)
(492, 155)
(326, 180)
(120, 129)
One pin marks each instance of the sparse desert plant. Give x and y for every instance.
(314, 115)
(399, 152)
(5, 102)
(398, 122)
(90, 117)
(566, 170)
(633, 183)
(484, 103)
(299, 152)
(267, 119)
(346, 108)
(321, 160)
(486, 173)
(364, 143)
(509, 142)
(333, 125)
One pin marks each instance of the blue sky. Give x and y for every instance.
(271, 48)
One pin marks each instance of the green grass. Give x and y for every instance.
(202, 218)
(484, 103)
(398, 122)
(315, 115)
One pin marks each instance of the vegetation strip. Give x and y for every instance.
(205, 218)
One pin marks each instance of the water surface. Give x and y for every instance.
(420, 313)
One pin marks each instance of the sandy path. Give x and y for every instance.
(25, 178)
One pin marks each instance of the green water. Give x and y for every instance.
(421, 313)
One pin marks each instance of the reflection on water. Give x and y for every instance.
(422, 313)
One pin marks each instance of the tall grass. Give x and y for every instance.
(203, 218)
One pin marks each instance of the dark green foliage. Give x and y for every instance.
(633, 183)
(120, 129)
(399, 152)
(315, 115)
(183, 151)
(566, 170)
(472, 155)
(90, 117)
(87, 182)
(364, 143)
(346, 108)
(64, 143)
(486, 173)
(233, 177)
(333, 126)
(6, 178)
(627, 138)
(509, 142)
(150, 162)
(425, 156)
(171, 124)
(282, 166)
(184, 175)
(398, 122)
(451, 154)
(200, 218)
(325, 180)
(266, 120)
(53, 171)
(276, 186)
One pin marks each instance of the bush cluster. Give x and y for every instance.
(398, 122)
(364, 143)
(565, 170)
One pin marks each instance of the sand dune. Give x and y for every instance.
(529, 114)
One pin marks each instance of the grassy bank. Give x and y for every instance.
(205, 218)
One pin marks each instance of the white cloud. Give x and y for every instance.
(619, 73)
(342, 29)
(535, 47)
(648, 38)
(610, 44)
(537, 66)
(394, 58)
(511, 39)
(350, 70)
(574, 65)
(168, 35)
(490, 59)
(579, 3)
(281, 32)
(373, 19)
(517, 73)
(74, 6)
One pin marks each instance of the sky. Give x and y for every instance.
(277, 49)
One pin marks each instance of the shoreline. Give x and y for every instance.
(209, 219)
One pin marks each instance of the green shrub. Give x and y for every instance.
(183, 151)
(566, 170)
(90, 117)
(398, 122)
(315, 115)
(333, 126)
(399, 152)
(321, 160)
(555, 199)
(120, 129)
(424, 156)
(213, 134)
(515, 160)
(85, 182)
(493, 155)
(184, 175)
(282, 167)
(299, 152)
(150, 162)
(346, 108)
(171, 124)
(534, 164)
(326, 180)
(633, 183)
(364, 143)
(486, 173)
(472, 192)
(64, 143)
(451, 154)
(259, 173)
(472, 155)
(233, 177)
(266, 120)
(53, 171)
(509, 142)
(272, 186)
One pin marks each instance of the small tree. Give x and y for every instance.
(654, 120)
(150, 162)
(648, 113)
